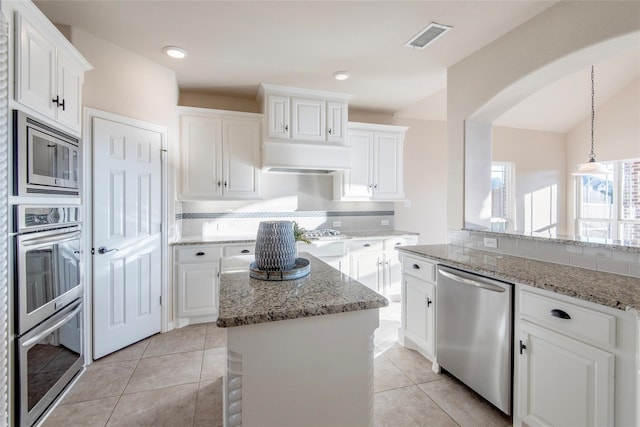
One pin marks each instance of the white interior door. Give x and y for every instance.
(127, 194)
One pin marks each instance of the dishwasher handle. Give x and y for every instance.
(479, 283)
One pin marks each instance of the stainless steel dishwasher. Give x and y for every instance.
(474, 333)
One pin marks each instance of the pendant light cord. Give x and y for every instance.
(592, 156)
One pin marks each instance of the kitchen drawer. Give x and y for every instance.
(198, 254)
(419, 268)
(367, 245)
(324, 248)
(244, 249)
(391, 243)
(590, 325)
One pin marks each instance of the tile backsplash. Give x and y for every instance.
(238, 223)
(611, 259)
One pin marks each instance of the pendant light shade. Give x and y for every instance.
(591, 167)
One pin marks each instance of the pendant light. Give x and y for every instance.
(592, 167)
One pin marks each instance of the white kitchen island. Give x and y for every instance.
(300, 352)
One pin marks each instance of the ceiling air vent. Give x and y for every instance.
(427, 35)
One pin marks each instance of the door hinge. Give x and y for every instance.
(522, 346)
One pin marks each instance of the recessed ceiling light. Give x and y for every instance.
(341, 75)
(175, 52)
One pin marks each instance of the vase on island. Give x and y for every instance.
(275, 246)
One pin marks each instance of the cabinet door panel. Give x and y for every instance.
(197, 290)
(419, 314)
(308, 119)
(36, 72)
(387, 160)
(563, 381)
(201, 163)
(241, 150)
(357, 183)
(69, 89)
(278, 125)
(336, 121)
(366, 269)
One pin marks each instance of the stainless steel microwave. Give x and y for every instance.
(46, 160)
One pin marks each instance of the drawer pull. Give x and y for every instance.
(200, 253)
(429, 302)
(245, 251)
(561, 314)
(415, 267)
(366, 245)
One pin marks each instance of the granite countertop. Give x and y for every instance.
(226, 240)
(245, 301)
(613, 290)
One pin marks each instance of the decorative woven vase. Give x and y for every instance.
(275, 246)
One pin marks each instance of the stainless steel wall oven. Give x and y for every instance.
(46, 160)
(48, 305)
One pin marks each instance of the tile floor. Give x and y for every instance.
(175, 380)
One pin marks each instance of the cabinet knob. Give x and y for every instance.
(225, 184)
(429, 302)
(219, 183)
(200, 253)
(62, 105)
(375, 186)
(329, 131)
(286, 128)
(560, 314)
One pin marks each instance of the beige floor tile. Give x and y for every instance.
(189, 338)
(408, 407)
(132, 352)
(387, 376)
(89, 413)
(209, 405)
(165, 371)
(463, 405)
(170, 407)
(214, 363)
(216, 337)
(101, 380)
(412, 364)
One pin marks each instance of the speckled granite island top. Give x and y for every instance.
(613, 290)
(245, 301)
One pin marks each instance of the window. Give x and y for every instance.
(502, 211)
(609, 204)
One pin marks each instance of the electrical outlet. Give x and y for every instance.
(490, 242)
(384, 222)
(336, 224)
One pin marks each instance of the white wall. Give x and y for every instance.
(540, 164)
(563, 39)
(616, 136)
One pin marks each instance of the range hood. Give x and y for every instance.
(300, 157)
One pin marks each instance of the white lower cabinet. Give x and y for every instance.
(418, 330)
(574, 362)
(197, 281)
(198, 290)
(563, 382)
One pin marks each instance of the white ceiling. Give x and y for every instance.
(236, 45)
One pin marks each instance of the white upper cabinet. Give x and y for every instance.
(220, 154)
(304, 115)
(376, 164)
(49, 71)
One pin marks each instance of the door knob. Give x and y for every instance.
(103, 250)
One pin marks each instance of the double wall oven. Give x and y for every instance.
(48, 287)
(48, 305)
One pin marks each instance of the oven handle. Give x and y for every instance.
(62, 237)
(52, 328)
